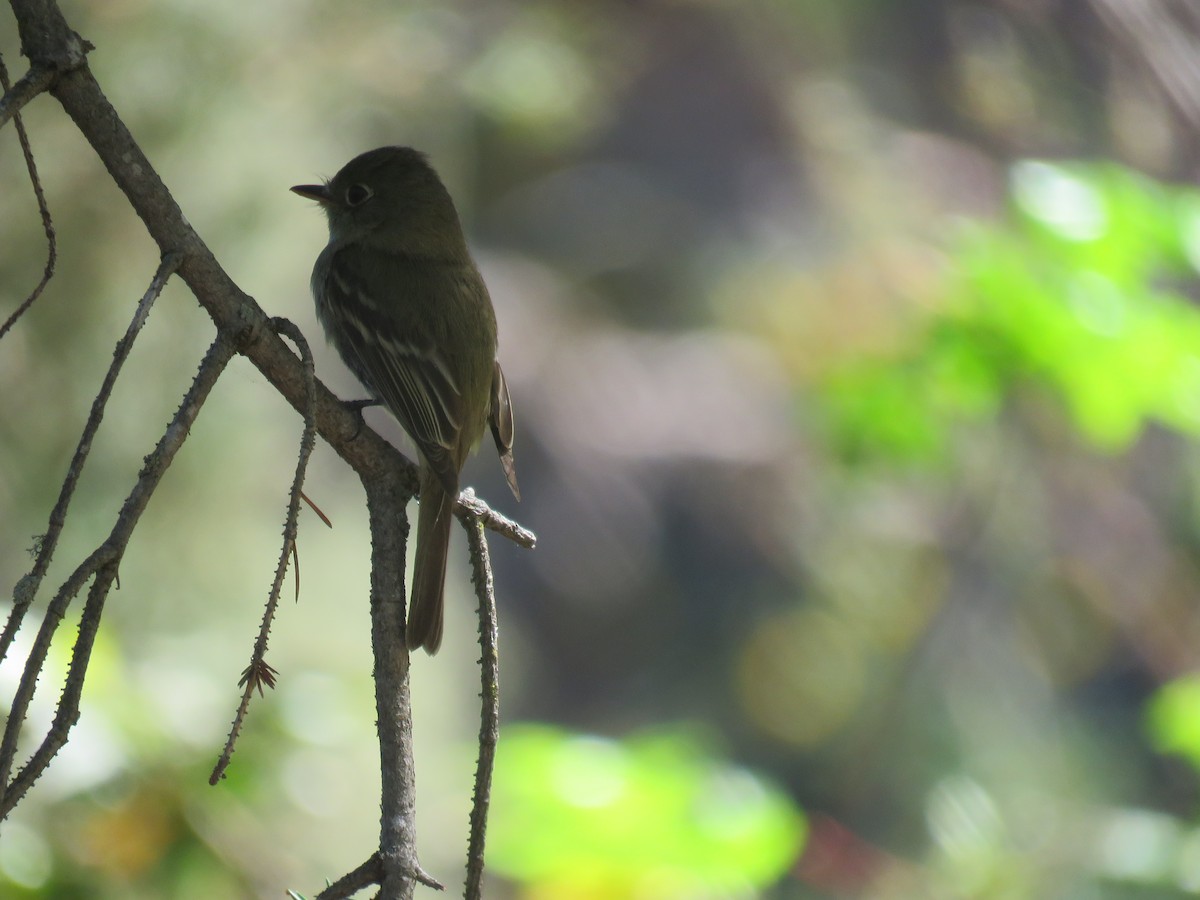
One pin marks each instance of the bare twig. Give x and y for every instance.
(489, 716)
(28, 587)
(102, 565)
(370, 872)
(29, 81)
(259, 672)
(32, 83)
(471, 504)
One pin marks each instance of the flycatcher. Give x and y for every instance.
(406, 308)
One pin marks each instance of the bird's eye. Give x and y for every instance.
(357, 194)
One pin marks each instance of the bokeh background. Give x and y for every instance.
(856, 359)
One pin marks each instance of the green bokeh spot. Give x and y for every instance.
(1173, 718)
(626, 817)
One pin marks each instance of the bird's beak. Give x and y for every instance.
(318, 192)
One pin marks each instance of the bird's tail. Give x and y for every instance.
(424, 628)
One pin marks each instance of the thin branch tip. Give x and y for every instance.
(259, 672)
(489, 693)
(471, 506)
(40, 195)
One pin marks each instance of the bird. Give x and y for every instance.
(404, 305)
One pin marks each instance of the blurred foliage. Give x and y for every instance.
(586, 817)
(1081, 293)
(856, 358)
(1173, 718)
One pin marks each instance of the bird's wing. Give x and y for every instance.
(402, 368)
(500, 418)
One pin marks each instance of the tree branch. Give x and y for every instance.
(102, 564)
(32, 83)
(470, 504)
(386, 499)
(28, 587)
(32, 80)
(489, 716)
(259, 672)
(369, 873)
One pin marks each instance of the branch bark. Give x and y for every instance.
(398, 806)
(32, 83)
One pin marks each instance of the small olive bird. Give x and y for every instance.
(406, 308)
